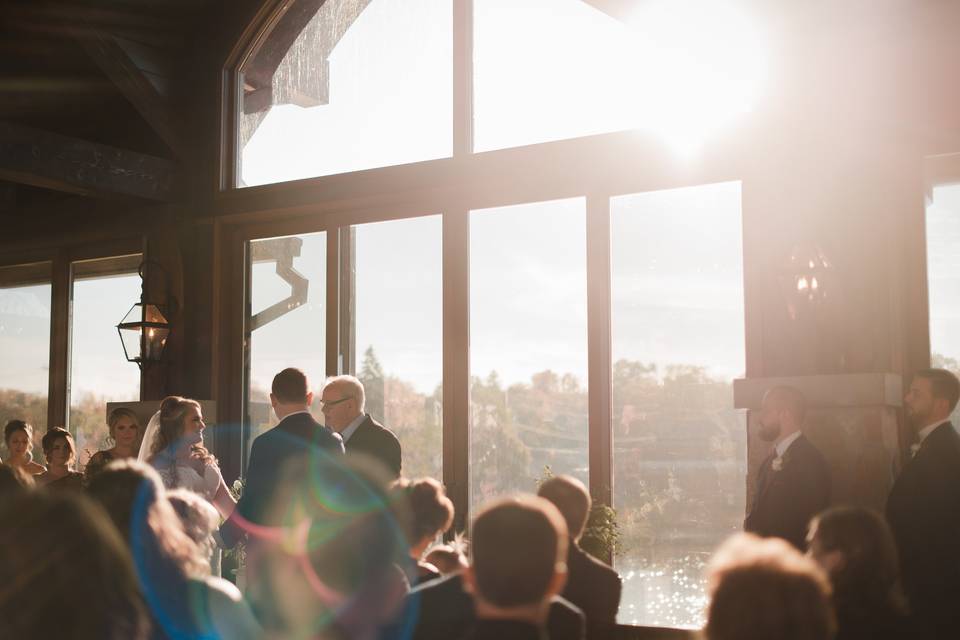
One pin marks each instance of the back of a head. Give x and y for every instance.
(571, 497)
(943, 384)
(290, 386)
(198, 518)
(430, 510)
(516, 547)
(65, 548)
(764, 589)
(870, 567)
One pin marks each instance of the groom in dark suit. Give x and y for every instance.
(793, 483)
(924, 506)
(297, 435)
(343, 404)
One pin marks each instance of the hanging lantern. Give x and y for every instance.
(145, 329)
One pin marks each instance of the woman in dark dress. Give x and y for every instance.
(60, 451)
(426, 512)
(856, 548)
(124, 433)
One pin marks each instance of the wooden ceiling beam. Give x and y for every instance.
(53, 161)
(136, 76)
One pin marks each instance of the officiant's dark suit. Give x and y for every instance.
(297, 435)
(924, 513)
(376, 441)
(789, 493)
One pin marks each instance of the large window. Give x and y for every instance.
(399, 338)
(360, 84)
(943, 276)
(25, 345)
(528, 346)
(678, 342)
(102, 293)
(286, 320)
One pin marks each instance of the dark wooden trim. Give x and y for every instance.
(25, 274)
(599, 349)
(111, 266)
(332, 346)
(115, 61)
(456, 362)
(462, 77)
(60, 308)
(53, 161)
(346, 296)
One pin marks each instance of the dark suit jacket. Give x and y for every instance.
(446, 611)
(505, 630)
(594, 588)
(924, 513)
(296, 435)
(787, 499)
(378, 442)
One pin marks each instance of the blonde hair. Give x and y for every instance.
(114, 418)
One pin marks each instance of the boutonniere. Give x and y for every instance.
(777, 464)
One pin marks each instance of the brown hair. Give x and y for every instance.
(764, 588)
(64, 547)
(943, 384)
(50, 438)
(121, 412)
(198, 517)
(568, 495)
(16, 425)
(173, 410)
(290, 386)
(431, 511)
(516, 546)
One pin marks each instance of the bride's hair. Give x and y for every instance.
(173, 410)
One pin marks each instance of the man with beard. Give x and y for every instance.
(924, 506)
(793, 483)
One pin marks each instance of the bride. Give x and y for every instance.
(173, 445)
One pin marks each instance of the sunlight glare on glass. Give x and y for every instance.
(698, 66)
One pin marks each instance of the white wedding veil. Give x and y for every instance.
(146, 445)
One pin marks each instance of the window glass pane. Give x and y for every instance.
(943, 275)
(399, 334)
(103, 292)
(365, 84)
(286, 322)
(528, 346)
(25, 345)
(678, 342)
(551, 69)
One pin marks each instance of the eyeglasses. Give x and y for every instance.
(329, 403)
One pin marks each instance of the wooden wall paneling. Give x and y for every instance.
(456, 361)
(599, 348)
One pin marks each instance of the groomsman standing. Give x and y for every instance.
(924, 506)
(793, 484)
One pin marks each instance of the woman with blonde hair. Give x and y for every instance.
(173, 445)
(124, 429)
(18, 436)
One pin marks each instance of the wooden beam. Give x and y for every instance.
(52, 161)
(139, 75)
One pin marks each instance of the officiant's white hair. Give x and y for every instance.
(353, 387)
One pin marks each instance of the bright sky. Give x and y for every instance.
(943, 270)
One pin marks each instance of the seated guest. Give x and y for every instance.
(518, 549)
(183, 599)
(592, 586)
(430, 513)
(328, 570)
(61, 452)
(764, 589)
(67, 573)
(18, 436)
(14, 480)
(448, 558)
(856, 549)
(199, 520)
(125, 433)
(343, 403)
